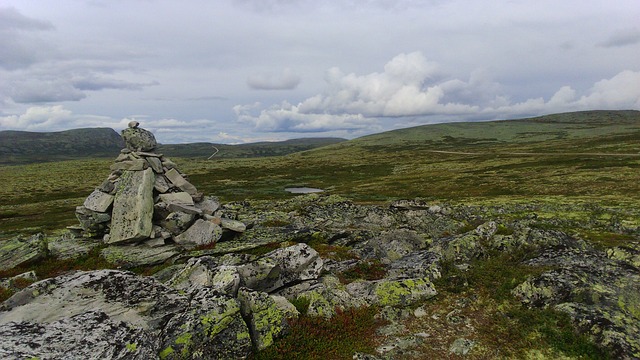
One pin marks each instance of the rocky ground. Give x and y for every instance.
(312, 255)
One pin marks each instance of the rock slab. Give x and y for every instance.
(133, 207)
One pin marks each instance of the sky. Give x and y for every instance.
(237, 71)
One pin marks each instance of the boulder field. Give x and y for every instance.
(237, 297)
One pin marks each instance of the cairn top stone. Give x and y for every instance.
(138, 139)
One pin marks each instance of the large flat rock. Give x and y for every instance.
(131, 219)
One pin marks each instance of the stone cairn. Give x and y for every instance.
(146, 199)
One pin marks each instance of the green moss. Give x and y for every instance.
(133, 347)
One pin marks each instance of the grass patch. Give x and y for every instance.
(310, 338)
(51, 267)
(364, 270)
(334, 252)
(604, 240)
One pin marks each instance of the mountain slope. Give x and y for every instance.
(259, 149)
(26, 147)
(586, 131)
(22, 147)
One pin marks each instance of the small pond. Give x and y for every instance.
(302, 190)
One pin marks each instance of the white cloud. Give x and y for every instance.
(285, 80)
(620, 92)
(167, 130)
(52, 118)
(412, 87)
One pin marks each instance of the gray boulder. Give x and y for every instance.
(202, 232)
(98, 201)
(211, 327)
(131, 256)
(88, 335)
(266, 317)
(282, 267)
(206, 272)
(600, 294)
(138, 139)
(133, 207)
(402, 292)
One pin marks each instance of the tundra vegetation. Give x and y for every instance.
(576, 173)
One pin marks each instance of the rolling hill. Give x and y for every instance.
(22, 147)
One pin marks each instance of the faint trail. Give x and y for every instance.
(530, 153)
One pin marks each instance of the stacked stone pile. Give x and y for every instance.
(146, 199)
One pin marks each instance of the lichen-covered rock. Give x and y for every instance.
(89, 335)
(324, 297)
(282, 267)
(93, 223)
(267, 320)
(461, 346)
(69, 248)
(599, 293)
(176, 198)
(207, 272)
(208, 205)
(128, 257)
(233, 225)
(202, 232)
(180, 182)
(177, 222)
(415, 265)
(403, 292)
(210, 328)
(132, 215)
(98, 201)
(138, 139)
(17, 251)
(139, 301)
(394, 244)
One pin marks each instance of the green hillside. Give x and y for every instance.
(23, 147)
(27, 147)
(595, 153)
(258, 149)
(601, 129)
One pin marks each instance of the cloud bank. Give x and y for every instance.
(412, 86)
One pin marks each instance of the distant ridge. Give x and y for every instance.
(258, 149)
(23, 147)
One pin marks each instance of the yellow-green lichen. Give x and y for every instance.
(215, 322)
(132, 347)
(269, 324)
(403, 292)
(318, 305)
(166, 353)
(528, 292)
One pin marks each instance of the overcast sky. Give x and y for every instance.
(235, 71)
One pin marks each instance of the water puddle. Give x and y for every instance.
(303, 190)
